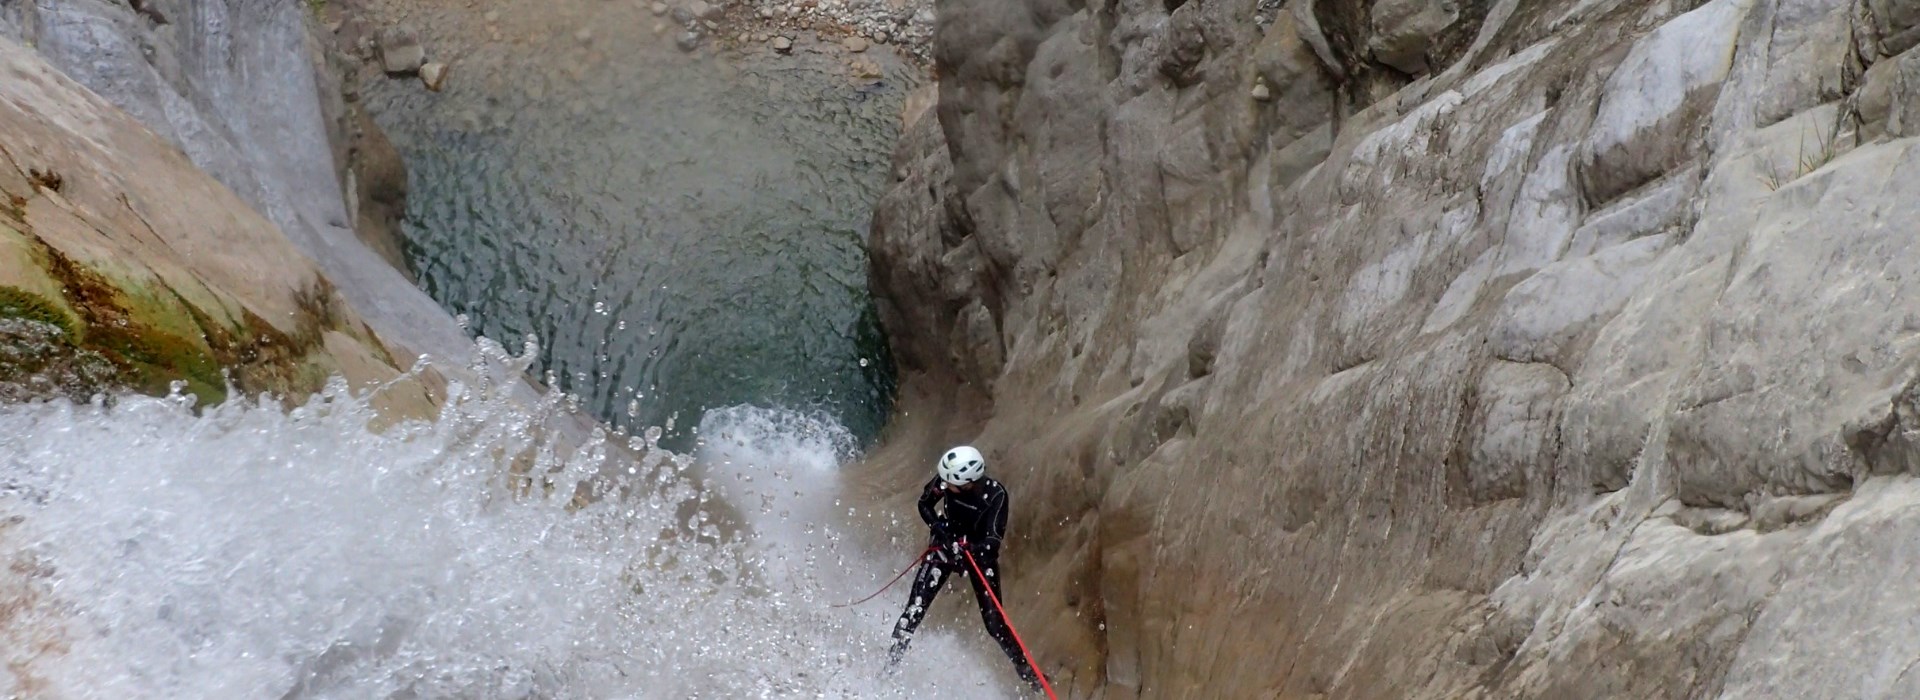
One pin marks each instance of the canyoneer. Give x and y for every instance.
(967, 514)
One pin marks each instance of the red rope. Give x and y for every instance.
(987, 584)
(896, 579)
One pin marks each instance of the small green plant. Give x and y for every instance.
(1816, 150)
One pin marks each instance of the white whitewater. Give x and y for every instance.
(252, 552)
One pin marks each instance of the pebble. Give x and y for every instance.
(434, 76)
(782, 44)
(659, 8)
(766, 13)
(688, 41)
(1261, 92)
(880, 36)
(584, 36)
(400, 51)
(855, 44)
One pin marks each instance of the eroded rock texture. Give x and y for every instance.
(242, 87)
(1504, 349)
(123, 266)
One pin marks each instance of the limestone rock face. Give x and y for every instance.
(122, 259)
(1578, 362)
(239, 86)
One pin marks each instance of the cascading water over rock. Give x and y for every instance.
(255, 552)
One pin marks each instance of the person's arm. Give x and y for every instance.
(929, 497)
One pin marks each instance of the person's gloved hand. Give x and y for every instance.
(942, 531)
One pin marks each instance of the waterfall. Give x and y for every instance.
(250, 551)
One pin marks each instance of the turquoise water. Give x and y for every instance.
(680, 233)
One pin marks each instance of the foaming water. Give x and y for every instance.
(254, 552)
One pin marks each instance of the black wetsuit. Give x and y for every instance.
(978, 517)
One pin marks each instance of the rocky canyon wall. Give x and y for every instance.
(123, 266)
(1428, 348)
(246, 90)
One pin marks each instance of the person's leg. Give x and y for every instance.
(926, 585)
(997, 624)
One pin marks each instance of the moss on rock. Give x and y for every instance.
(21, 304)
(152, 337)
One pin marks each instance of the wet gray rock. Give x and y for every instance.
(697, 10)
(1897, 23)
(1889, 97)
(401, 52)
(1404, 29)
(689, 40)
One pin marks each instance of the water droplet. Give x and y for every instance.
(863, 362)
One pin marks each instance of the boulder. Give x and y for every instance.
(1404, 29)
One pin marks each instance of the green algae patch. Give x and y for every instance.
(75, 327)
(39, 357)
(152, 337)
(17, 303)
(131, 328)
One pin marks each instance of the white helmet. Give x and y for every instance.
(962, 465)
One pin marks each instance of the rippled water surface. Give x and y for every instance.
(680, 232)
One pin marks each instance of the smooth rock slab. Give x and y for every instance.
(1656, 96)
